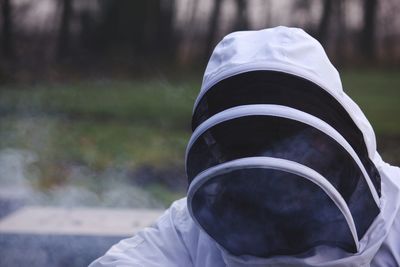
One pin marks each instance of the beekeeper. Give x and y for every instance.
(282, 168)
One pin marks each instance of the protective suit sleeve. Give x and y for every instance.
(388, 254)
(158, 246)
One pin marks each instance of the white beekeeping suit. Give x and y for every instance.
(282, 168)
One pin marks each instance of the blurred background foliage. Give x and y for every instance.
(96, 96)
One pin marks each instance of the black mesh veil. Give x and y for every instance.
(271, 87)
(294, 215)
(266, 212)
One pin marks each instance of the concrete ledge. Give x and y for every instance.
(22, 250)
(78, 221)
(58, 237)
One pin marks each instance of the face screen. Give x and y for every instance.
(264, 212)
(269, 87)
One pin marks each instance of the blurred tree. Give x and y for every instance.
(147, 34)
(145, 28)
(119, 22)
(7, 29)
(166, 33)
(190, 33)
(367, 44)
(87, 33)
(301, 15)
(213, 27)
(268, 12)
(63, 42)
(323, 27)
(340, 32)
(241, 21)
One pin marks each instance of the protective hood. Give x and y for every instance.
(282, 164)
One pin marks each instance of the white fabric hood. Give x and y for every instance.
(283, 49)
(292, 51)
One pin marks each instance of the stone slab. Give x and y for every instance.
(78, 221)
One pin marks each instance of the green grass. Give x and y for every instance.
(100, 125)
(378, 95)
(130, 124)
(158, 103)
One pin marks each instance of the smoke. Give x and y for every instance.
(19, 175)
(33, 172)
(14, 165)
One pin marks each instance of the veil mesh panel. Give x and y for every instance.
(287, 139)
(264, 212)
(270, 87)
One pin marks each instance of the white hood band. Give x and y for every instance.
(276, 164)
(284, 112)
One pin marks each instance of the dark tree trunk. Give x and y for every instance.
(268, 13)
(367, 44)
(340, 19)
(140, 31)
(242, 22)
(150, 24)
(323, 27)
(63, 43)
(213, 27)
(166, 34)
(7, 29)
